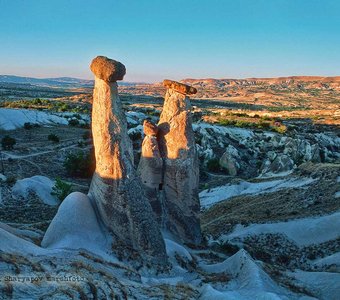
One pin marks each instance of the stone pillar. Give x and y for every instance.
(115, 188)
(150, 167)
(177, 201)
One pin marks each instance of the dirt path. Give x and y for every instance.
(14, 156)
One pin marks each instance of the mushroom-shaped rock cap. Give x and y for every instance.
(107, 69)
(150, 128)
(179, 87)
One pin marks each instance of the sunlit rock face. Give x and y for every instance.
(150, 167)
(177, 203)
(115, 188)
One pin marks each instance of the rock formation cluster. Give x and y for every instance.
(169, 165)
(116, 189)
(135, 207)
(150, 168)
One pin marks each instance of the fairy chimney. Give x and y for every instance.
(150, 166)
(116, 189)
(177, 203)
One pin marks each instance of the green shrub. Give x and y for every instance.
(240, 114)
(73, 122)
(81, 144)
(153, 113)
(8, 142)
(213, 165)
(41, 104)
(86, 135)
(28, 126)
(11, 180)
(53, 138)
(63, 107)
(37, 101)
(244, 124)
(80, 164)
(280, 129)
(229, 248)
(266, 118)
(226, 122)
(77, 116)
(268, 212)
(237, 123)
(198, 139)
(85, 125)
(263, 125)
(61, 189)
(135, 136)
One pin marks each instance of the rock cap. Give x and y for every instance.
(179, 87)
(107, 69)
(150, 128)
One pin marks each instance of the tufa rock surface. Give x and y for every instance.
(229, 160)
(178, 176)
(107, 69)
(150, 129)
(116, 188)
(75, 225)
(150, 168)
(179, 87)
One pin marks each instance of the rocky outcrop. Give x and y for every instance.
(229, 160)
(75, 226)
(107, 69)
(115, 188)
(257, 152)
(176, 203)
(179, 87)
(278, 163)
(150, 167)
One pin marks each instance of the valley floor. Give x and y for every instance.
(271, 229)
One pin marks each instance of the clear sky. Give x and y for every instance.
(171, 39)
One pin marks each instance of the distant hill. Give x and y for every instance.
(66, 82)
(282, 91)
(61, 82)
(266, 87)
(316, 81)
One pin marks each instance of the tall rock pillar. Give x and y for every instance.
(150, 167)
(115, 188)
(177, 195)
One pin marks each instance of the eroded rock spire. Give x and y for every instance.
(150, 167)
(115, 188)
(177, 202)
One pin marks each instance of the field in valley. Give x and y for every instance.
(269, 154)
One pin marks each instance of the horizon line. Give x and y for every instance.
(187, 78)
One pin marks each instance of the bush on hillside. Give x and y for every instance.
(80, 164)
(61, 189)
(213, 165)
(86, 135)
(73, 122)
(53, 138)
(28, 126)
(8, 142)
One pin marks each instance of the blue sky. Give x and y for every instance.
(171, 39)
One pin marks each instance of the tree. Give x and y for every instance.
(28, 126)
(73, 122)
(213, 165)
(8, 142)
(80, 164)
(61, 189)
(86, 135)
(53, 137)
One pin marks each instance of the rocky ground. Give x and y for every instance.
(270, 213)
